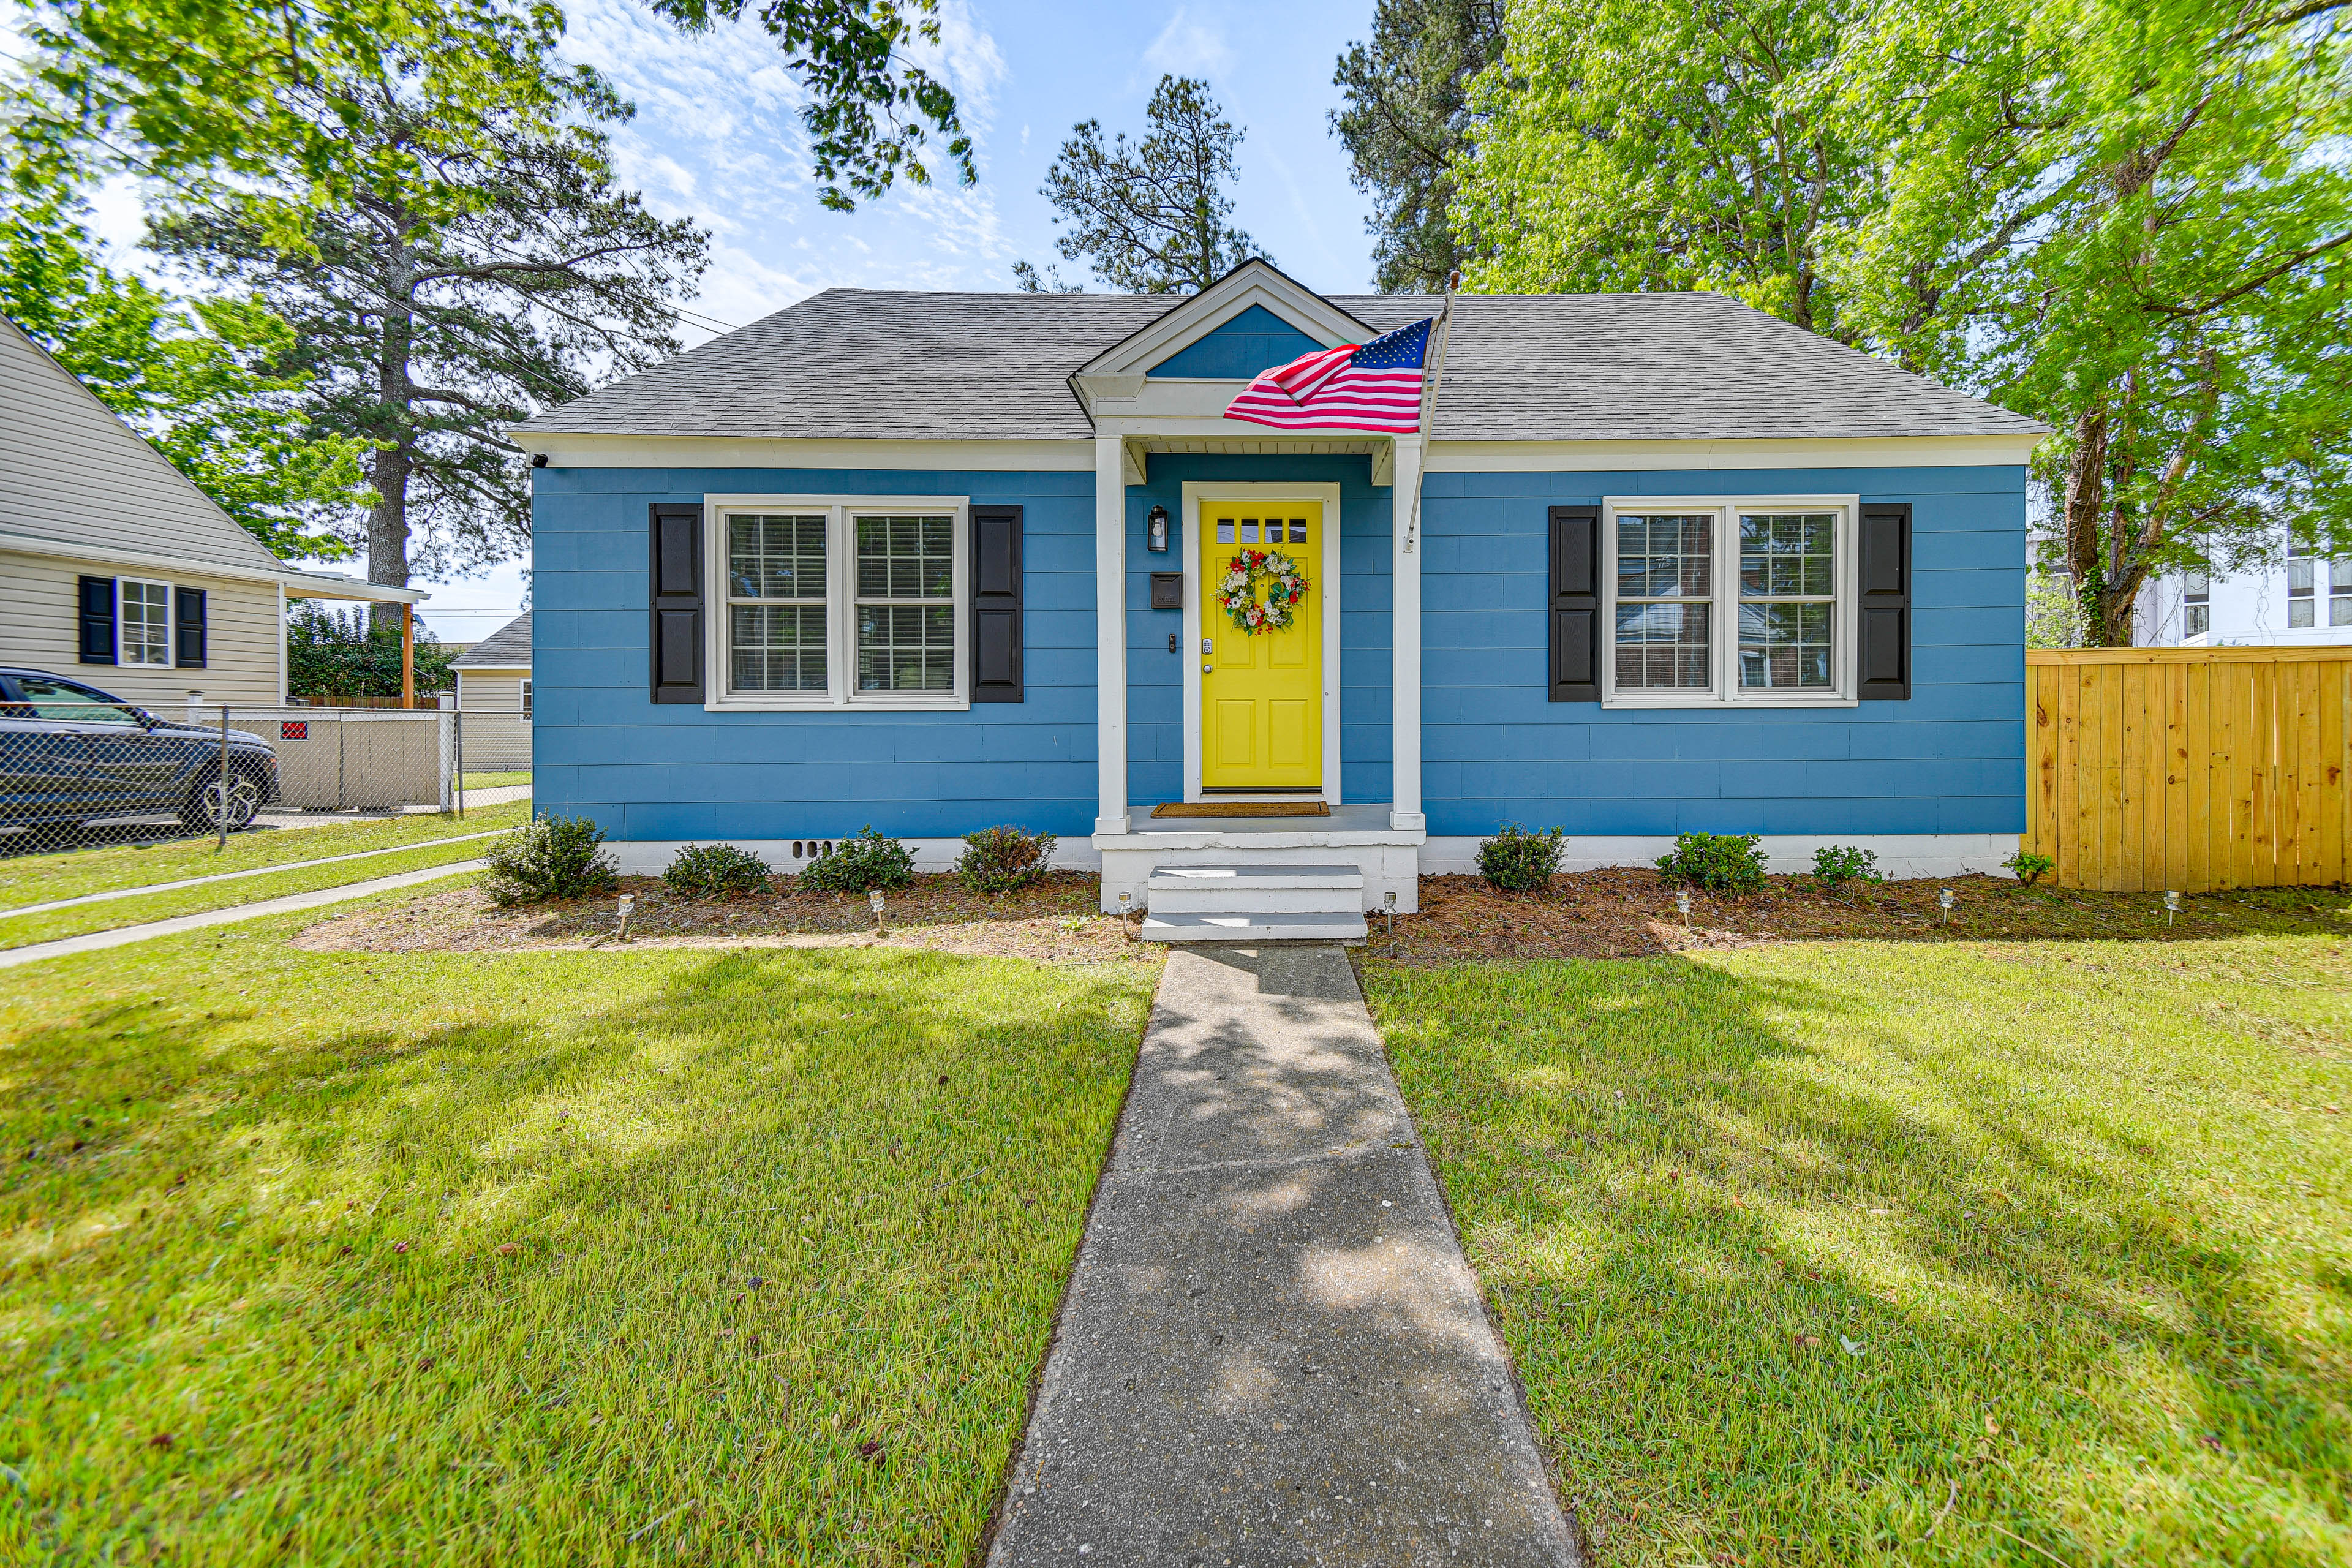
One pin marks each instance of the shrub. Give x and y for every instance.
(1517, 860)
(1835, 865)
(1719, 862)
(1001, 859)
(2030, 867)
(856, 865)
(710, 871)
(548, 858)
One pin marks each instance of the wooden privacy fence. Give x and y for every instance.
(2189, 768)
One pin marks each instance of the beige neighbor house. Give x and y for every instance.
(116, 570)
(494, 694)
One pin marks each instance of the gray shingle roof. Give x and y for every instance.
(508, 648)
(853, 364)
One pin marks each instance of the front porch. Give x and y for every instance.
(1343, 866)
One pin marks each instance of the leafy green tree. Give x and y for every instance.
(2127, 218)
(1629, 145)
(1155, 217)
(424, 328)
(2131, 220)
(179, 87)
(203, 380)
(336, 655)
(1406, 124)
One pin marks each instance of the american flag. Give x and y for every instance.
(1376, 387)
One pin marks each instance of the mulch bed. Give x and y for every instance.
(1615, 913)
(1629, 914)
(1054, 920)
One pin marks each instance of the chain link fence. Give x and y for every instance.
(76, 774)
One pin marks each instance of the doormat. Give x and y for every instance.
(1241, 808)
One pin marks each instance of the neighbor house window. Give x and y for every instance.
(833, 601)
(2300, 579)
(145, 623)
(2340, 592)
(1729, 600)
(526, 697)
(2196, 604)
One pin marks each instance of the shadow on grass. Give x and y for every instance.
(772, 1239)
(1799, 1251)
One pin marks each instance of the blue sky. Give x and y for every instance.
(718, 138)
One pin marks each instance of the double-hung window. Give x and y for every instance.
(145, 622)
(839, 602)
(2196, 604)
(1746, 600)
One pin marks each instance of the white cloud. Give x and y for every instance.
(718, 138)
(1186, 47)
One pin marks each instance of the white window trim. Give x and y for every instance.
(1724, 626)
(841, 605)
(171, 623)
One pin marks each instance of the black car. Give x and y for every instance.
(70, 752)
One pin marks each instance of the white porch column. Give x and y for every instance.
(1404, 584)
(1110, 636)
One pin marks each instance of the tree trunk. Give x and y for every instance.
(388, 524)
(2085, 502)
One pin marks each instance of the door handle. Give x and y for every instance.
(1208, 670)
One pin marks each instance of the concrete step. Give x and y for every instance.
(1255, 926)
(1272, 890)
(1165, 876)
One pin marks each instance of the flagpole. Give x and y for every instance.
(1443, 332)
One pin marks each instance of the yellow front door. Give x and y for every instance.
(1262, 695)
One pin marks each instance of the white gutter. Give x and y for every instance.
(298, 584)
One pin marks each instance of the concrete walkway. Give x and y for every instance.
(124, 935)
(1273, 1350)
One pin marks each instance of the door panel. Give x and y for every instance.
(1262, 696)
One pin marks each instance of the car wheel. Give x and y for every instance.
(202, 813)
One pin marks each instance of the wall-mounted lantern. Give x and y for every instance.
(1155, 540)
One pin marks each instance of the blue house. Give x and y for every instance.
(934, 561)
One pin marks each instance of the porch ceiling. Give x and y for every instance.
(1381, 449)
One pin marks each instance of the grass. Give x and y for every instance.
(578, 1258)
(40, 879)
(20, 931)
(1980, 1252)
(496, 781)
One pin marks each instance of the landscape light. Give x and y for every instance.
(1682, 903)
(1944, 898)
(874, 899)
(2171, 906)
(628, 903)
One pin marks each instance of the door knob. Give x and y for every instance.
(1206, 670)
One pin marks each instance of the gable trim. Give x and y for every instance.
(1255, 282)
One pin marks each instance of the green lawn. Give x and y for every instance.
(560, 1257)
(495, 781)
(38, 878)
(19, 931)
(1797, 1245)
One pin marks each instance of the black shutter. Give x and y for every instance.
(188, 628)
(1575, 604)
(1884, 575)
(676, 583)
(996, 604)
(98, 620)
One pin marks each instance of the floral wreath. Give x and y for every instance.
(1286, 586)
